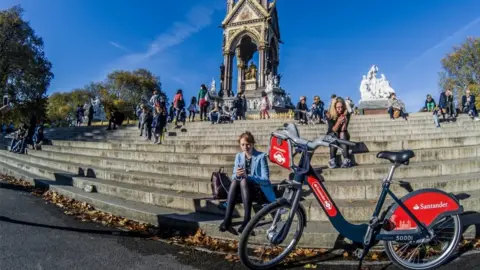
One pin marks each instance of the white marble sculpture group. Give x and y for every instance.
(373, 88)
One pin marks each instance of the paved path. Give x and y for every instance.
(35, 235)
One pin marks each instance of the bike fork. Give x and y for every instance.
(286, 227)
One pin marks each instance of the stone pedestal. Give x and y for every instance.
(251, 85)
(368, 107)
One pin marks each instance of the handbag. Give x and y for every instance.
(396, 113)
(220, 183)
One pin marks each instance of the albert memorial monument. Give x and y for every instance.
(251, 26)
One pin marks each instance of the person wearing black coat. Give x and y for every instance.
(301, 111)
(159, 123)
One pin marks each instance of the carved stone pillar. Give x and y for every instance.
(261, 66)
(230, 72)
(240, 71)
(241, 76)
(227, 81)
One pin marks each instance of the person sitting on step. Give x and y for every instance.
(395, 107)
(429, 104)
(338, 118)
(18, 142)
(468, 105)
(446, 104)
(214, 114)
(116, 119)
(251, 168)
(38, 137)
(301, 111)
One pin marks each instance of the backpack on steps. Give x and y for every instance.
(220, 183)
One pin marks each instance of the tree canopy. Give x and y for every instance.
(25, 72)
(121, 89)
(461, 69)
(62, 104)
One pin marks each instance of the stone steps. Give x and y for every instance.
(171, 182)
(232, 147)
(355, 210)
(227, 159)
(363, 172)
(192, 204)
(172, 138)
(255, 128)
(316, 234)
(343, 189)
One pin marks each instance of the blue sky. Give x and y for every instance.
(328, 46)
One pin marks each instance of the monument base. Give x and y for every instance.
(280, 102)
(369, 107)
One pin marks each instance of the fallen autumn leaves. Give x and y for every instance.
(85, 213)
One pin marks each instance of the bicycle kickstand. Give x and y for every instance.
(361, 254)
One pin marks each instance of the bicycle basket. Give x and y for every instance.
(280, 151)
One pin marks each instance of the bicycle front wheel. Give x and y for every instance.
(265, 225)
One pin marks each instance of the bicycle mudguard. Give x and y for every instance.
(428, 206)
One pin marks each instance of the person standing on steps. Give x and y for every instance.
(159, 123)
(179, 105)
(192, 109)
(251, 168)
(264, 106)
(90, 114)
(202, 102)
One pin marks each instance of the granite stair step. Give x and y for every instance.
(360, 172)
(194, 147)
(227, 159)
(316, 234)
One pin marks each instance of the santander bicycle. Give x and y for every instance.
(419, 231)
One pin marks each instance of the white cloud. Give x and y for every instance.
(448, 41)
(179, 80)
(118, 46)
(420, 76)
(196, 19)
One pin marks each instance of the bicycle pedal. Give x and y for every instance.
(358, 253)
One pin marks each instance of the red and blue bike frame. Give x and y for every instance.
(397, 223)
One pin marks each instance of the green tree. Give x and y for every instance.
(60, 105)
(461, 69)
(133, 86)
(24, 69)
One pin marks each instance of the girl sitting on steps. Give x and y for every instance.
(251, 167)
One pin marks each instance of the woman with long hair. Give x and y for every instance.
(179, 105)
(264, 106)
(202, 102)
(338, 118)
(251, 168)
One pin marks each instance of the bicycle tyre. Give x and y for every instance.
(443, 258)
(242, 245)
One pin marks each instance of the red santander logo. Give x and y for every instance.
(322, 196)
(278, 156)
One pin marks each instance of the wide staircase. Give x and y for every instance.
(170, 183)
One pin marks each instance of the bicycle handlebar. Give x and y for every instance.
(326, 140)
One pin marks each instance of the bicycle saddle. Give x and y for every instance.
(397, 157)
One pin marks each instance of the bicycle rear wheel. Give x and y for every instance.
(272, 255)
(415, 255)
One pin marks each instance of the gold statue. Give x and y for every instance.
(251, 72)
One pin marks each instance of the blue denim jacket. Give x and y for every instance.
(259, 172)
